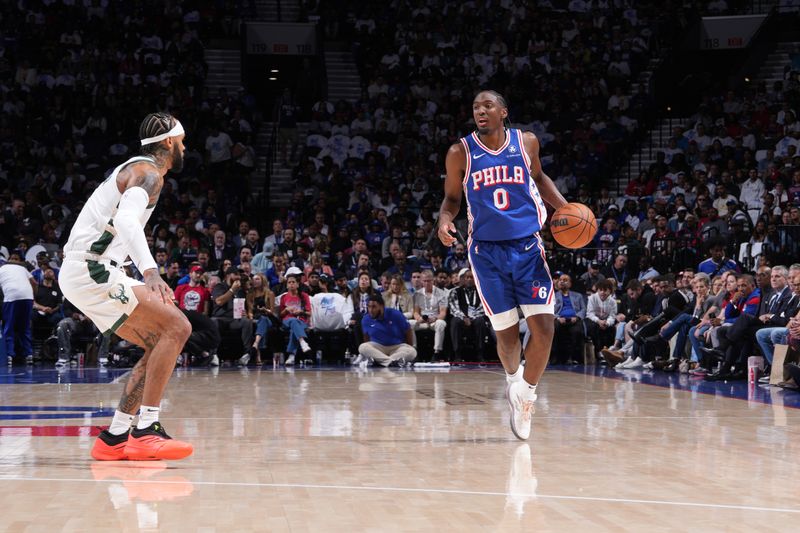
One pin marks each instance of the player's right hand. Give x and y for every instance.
(447, 232)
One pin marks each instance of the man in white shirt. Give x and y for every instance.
(752, 194)
(723, 197)
(218, 146)
(18, 287)
(699, 136)
(328, 309)
(430, 310)
(276, 238)
(618, 100)
(330, 313)
(601, 313)
(782, 148)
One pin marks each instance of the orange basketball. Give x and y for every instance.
(573, 225)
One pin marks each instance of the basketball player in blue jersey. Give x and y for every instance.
(499, 171)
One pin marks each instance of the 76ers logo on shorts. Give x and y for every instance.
(539, 291)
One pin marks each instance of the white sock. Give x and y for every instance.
(516, 376)
(120, 423)
(147, 415)
(531, 388)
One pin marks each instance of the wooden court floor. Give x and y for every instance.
(394, 450)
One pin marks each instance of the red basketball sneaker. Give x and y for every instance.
(153, 443)
(109, 447)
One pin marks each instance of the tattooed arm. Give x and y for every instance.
(144, 176)
(142, 188)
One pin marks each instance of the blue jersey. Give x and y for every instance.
(712, 269)
(503, 202)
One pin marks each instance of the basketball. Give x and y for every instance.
(573, 225)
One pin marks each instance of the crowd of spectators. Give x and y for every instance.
(368, 181)
(76, 78)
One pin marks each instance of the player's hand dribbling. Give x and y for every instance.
(157, 286)
(446, 234)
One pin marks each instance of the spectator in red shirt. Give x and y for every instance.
(294, 311)
(193, 296)
(640, 186)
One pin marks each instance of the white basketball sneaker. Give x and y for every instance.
(623, 363)
(304, 345)
(520, 400)
(634, 363)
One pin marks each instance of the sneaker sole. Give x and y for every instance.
(147, 454)
(511, 416)
(109, 453)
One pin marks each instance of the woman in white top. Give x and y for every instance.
(398, 297)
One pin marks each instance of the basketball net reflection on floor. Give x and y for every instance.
(140, 483)
(522, 483)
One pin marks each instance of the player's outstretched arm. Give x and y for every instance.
(547, 188)
(453, 183)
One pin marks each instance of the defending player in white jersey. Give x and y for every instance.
(109, 229)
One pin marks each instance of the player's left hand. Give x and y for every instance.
(157, 286)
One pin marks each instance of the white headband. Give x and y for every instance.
(176, 130)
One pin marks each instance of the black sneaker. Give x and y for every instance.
(153, 429)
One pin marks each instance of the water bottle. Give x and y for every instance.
(319, 357)
(348, 356)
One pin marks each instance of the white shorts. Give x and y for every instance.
(101, 291)
(506, 319)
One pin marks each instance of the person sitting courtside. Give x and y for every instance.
(570, 312)
(388, 337)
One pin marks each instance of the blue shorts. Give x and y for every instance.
(511, 274)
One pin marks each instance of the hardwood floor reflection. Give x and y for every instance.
(389, 450)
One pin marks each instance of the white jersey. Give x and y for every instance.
(93, 231)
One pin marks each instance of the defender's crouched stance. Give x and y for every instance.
(110, 228)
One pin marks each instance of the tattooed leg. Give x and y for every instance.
(162, 332)
(147, 340)
(134, 387)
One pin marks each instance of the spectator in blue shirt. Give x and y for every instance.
(388, 336)
(717, 264)
(458, 259)
(43, 262)
(741, 312)
(570, 310)
(745, 300)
